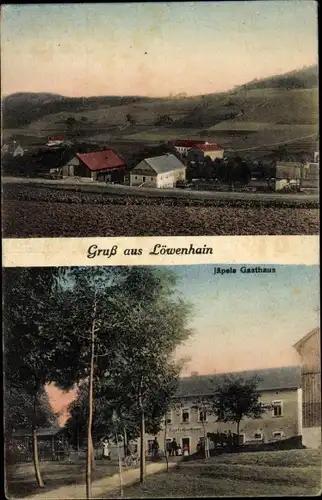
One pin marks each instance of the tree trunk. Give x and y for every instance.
(165, 443)
(238, 424)
(205, 440)
(120, 464)
(89, 458)
(93, 463)
(35, 444)
(142, 447)
(125, 442)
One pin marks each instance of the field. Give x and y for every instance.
(247, 118)
(278, 473)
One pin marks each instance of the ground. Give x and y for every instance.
(277, 473)
(274, 473)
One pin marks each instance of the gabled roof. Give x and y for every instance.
(209, 147)
(101, 160)
(164, 163)
(298, 345)
(288, 377)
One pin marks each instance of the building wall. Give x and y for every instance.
(215, 154)
(288, 424)
(166, 180)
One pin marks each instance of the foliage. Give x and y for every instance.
(19, 410)
(237, 398)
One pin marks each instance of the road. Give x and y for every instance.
(91, 187)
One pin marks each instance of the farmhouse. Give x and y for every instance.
(279, 389)
(309, 350)
(159, 172)
(55, 141)
(183, 146)
(199, 152)
(12, 149)
(102, 166)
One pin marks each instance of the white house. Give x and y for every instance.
(159, 172)
(182, 146)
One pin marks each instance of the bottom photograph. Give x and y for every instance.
(162, 381)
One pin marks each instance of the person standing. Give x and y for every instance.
(174, 447)
(106, 450)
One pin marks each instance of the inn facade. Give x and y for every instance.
(280, 390)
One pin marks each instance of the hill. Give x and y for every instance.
(267, 111)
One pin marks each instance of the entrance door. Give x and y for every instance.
(185, 445)
(143, 179)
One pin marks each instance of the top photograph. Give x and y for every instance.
(160, 119)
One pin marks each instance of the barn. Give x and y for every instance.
(104, 166)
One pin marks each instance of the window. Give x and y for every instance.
(277, 408)
(277, 434)
(168, 444)
(202, 415)
(168, 417)
(258, 435)
(185, 415)
(135, 177)
(151, 178)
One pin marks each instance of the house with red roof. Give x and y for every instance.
(183, 145)
(103, 166)
(199, 152)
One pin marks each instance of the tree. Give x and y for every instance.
(36, 352)
(237, 398)
(153, 322)
(130, 119)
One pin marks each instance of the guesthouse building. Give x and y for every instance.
(279, 391)
(158, 172)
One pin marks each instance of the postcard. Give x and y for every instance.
(160, 167)
(160, 119)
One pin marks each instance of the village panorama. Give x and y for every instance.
(174, 165)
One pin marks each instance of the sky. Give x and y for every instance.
(153, 49)
(241, 321)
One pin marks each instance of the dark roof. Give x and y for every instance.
(164, 163)
(101, 160)
(41, 432)
(187, 143)
(288, 377)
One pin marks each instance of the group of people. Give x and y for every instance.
(175, 449)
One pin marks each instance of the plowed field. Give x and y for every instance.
(22, 219)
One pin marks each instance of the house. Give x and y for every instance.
(55, 141)
(183, 146)
(309, 350)
(288, 173)
(159, 172)
(13, 149)
(199, 152)
(316, 157)
(104, 166)
(280, 391)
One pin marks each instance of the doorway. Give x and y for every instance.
(185, 444)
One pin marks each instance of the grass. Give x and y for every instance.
(278, 473)
(21, 479)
